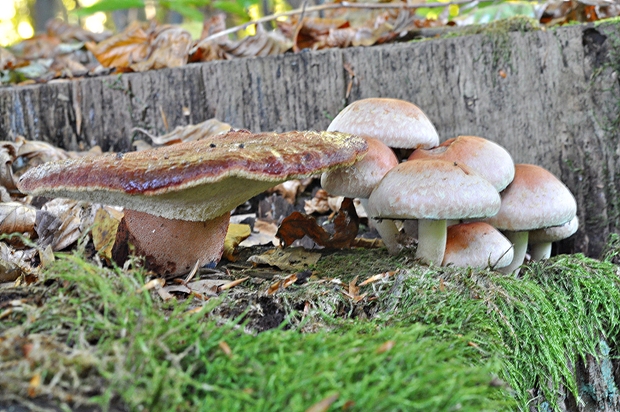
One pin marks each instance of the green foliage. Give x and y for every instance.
(109, 5)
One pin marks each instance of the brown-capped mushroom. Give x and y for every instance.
(535, 199)
(397, 123)
(485, 157)
(359, 180)
(432, 191)
(477, 245)
(192, 182)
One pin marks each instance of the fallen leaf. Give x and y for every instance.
(318, 204)
(104, 230)
(380, 276)
(46, 256)
(282, 284)
(324, 404)
(72, 32)
(34, 385)
(16, 217)
(7, 59)
(346, 225)
(152, 284)
(76, 218)
(170, 48)
(235, 235)
(122, 50)
(294, 259)
(203, 130)
(264, 233)
(208, 287)
(225, 348)
(385, 346)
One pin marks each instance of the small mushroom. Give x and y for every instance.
(359, 180)
(540, 240)
(477, 245)
(485, 157)
(432, 191)
(535, 199)
(397, 123)
(189, 185)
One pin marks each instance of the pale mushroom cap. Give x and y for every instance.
(196, 180)
(485, 157)
(534, 200)
(359, 179)
(477, 245)
(433, 189)
(397, 123)
(554, 233)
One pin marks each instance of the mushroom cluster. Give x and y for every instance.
(465, 179)
(177, 199)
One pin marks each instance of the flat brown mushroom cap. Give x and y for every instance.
(196, 180)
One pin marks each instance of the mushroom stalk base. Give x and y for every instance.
(519, 241)
(387, 230)
(540, 251)
(170, 246)
(431, 241)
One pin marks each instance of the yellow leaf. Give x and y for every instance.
(104, 230)
(236, 234)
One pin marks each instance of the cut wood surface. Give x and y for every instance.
(550, 97)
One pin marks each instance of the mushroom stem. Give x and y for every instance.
(540, 251)
(387, 230)
(519, 242)
(432, 237)
(170, 246)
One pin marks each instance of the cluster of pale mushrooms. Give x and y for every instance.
(473, 206)
(177, 199)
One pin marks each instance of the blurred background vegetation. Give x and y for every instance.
(21, 19)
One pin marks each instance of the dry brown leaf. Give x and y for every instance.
(152, 284)
(385, 346)
(209, 50)
(235, 235)
(203, 130)
(75, 218)
(225, 348)
(324, 404)
(207, 287)
(32, 153)
(346, 225)
(131, 46)
(295, 259)
(14, 263)
(170, 48)
(282, 284)
(46, 256)
(104, 230)
(318, 204)
(262, 44)
(7, 60)
(41, 46)
(380, 276)
(264, 233)
(16, 217)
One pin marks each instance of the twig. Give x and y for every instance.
(343, 5)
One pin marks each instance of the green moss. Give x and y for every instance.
(101, 337)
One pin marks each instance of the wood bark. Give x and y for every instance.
(550, 97)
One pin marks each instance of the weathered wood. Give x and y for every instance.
(550, 97)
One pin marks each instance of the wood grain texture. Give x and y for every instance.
(550, 97)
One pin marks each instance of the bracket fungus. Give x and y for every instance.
(195, 184)
(433, 191)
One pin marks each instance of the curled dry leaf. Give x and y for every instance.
(124, 49)
(41, 46)
(75, 218)
(16, 217)
(264, 233)
(31, 153)
(203, 130)
(8, 154)
(14, 263)
(261, 44)
(346, 225)
(290, 189)
(170, 48)
(209, 50)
